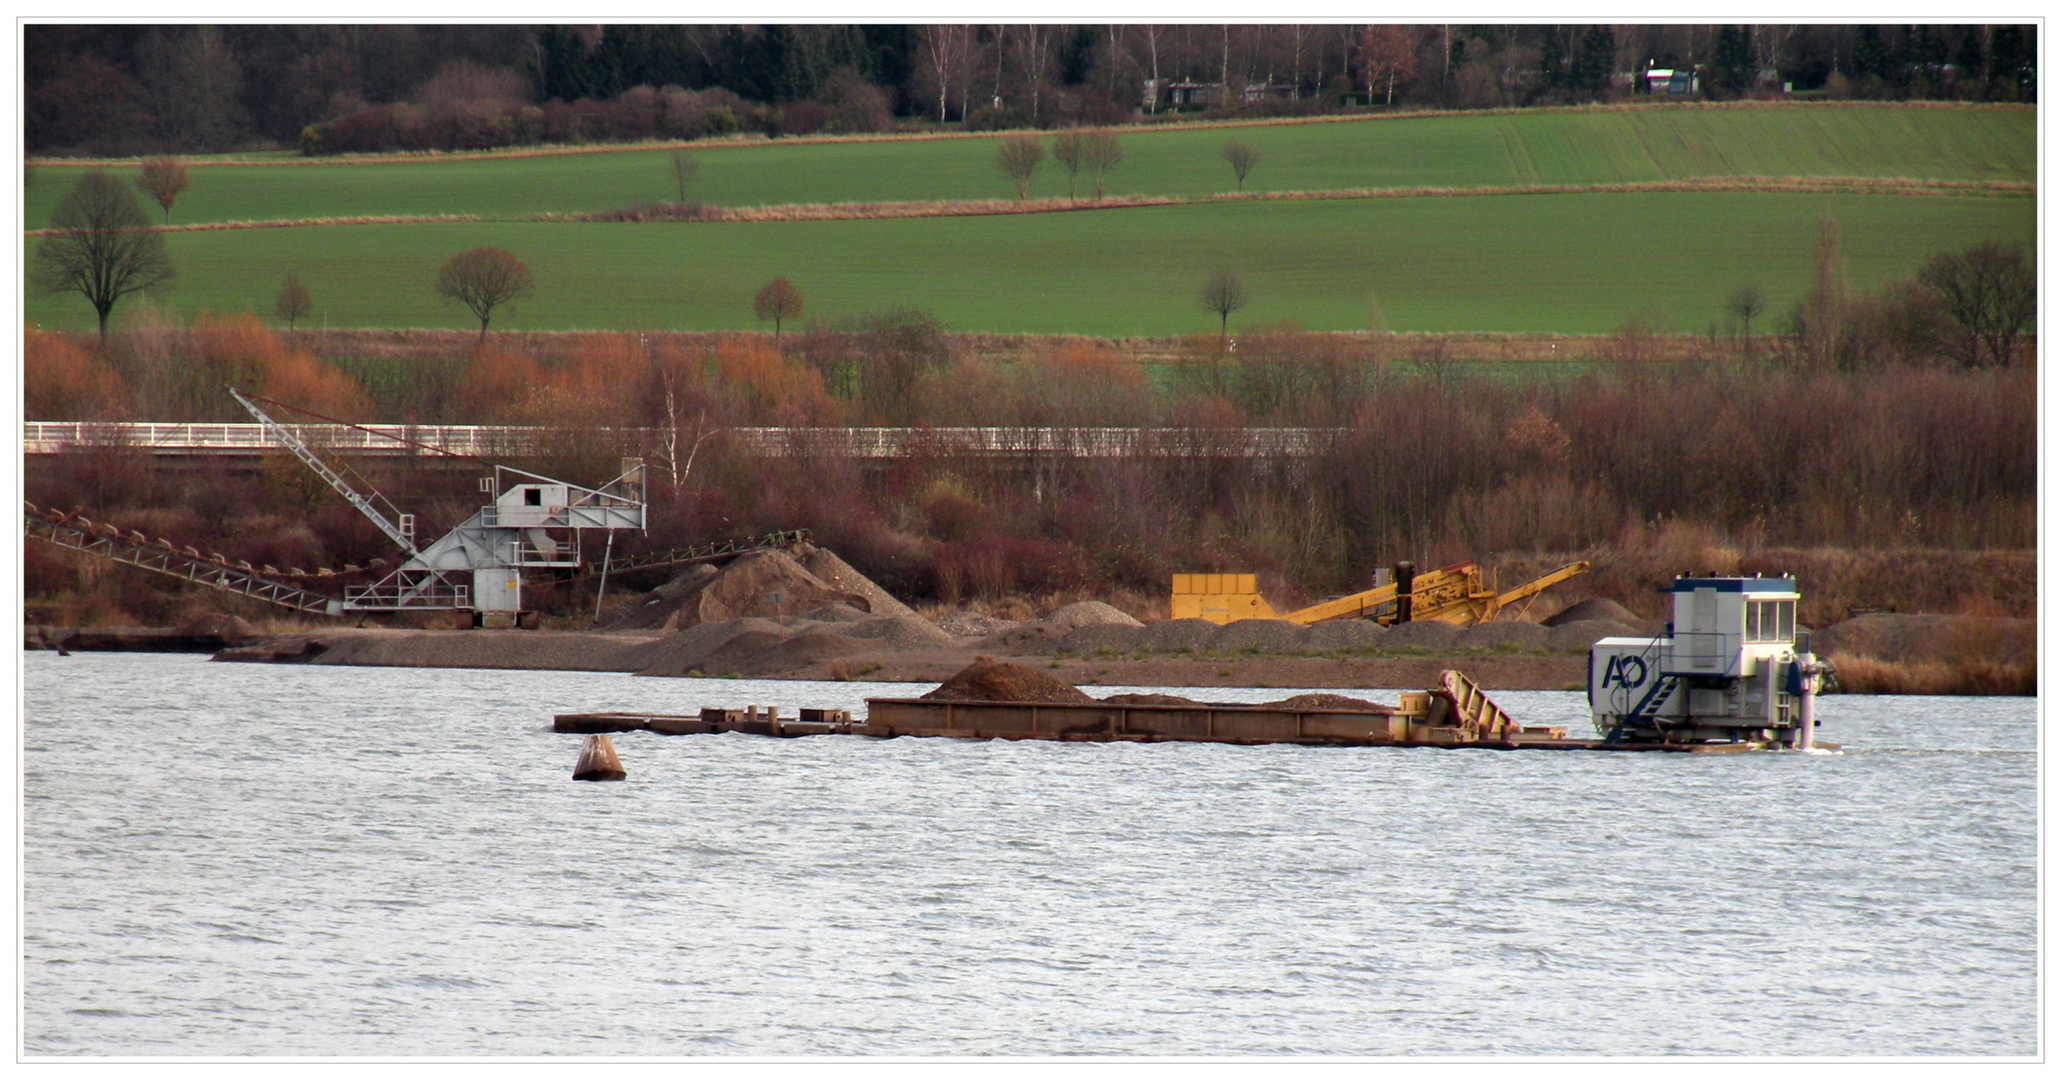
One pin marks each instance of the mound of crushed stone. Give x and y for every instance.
(837, 574)
(1178, 635)
(1592, 610)
(1328, 703)
(1264, 635)
(690, 649)
(1034, 637)
(1420, 635)
(973, 624)
(1089, 613)
(1150, 699)
(987, 679)
(801, 652)
(1098, 636)
(1346, 634)
(1503, 635)
(900, 632)
(765, 584)
(1578, 636)
(838, 613)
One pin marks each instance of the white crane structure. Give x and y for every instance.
(532, 522)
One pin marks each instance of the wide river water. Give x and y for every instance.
(239, 859)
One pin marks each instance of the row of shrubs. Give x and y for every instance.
(847, 106)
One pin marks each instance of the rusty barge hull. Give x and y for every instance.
(1240, 725)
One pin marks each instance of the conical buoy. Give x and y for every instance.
(598, 761)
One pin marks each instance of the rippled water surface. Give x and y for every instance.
(229, 859)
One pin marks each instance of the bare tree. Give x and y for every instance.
(1992, 293)
(1069, 149)
(1103, 151)
(483, 279)
(101, 245)
(1018, 159)
(293, 303)
(163, 178)
(1746, 304)
(1242, 156)
(1222, 294)
(686, 166)
(778, 301)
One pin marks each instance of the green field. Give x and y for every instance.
(1452, 151)
(1575, 263)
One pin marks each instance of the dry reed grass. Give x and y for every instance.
(1967, 677)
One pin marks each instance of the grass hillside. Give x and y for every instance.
(1483, 150)
(1561, 263)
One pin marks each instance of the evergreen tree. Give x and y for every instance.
(1595, 61)
(1968, 59)
(1732, 60)
(1869, 59)
(1552, 60)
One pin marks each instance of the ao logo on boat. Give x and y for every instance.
(1625, 671)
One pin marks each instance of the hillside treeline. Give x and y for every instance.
(1414, 457)
(123, 89)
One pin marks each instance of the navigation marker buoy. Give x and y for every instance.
(598, 761)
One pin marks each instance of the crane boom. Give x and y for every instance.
(285, 437)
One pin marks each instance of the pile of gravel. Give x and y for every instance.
(973, 624)
(1178, 635)
(838, 613)
(1420, 635)
(1265, 635)
(800, 652)
(1149, 699)
(1503, 635)
(1096, 637)
(1578, 636)
(900, 632)
(693, 647)
(1089, 613)
(1346, 634)
(1328, 703)
(1034, 637)
(1592, 610)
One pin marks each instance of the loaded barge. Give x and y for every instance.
(1735, 677)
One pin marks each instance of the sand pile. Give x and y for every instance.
(1261, 635)
(1578, 636)
(692, 649)
(986, 679)
(1089, 613)
(801, 652)
(1521, 636)
(1150, 699)
(1592, 610)
(762, 583)
(1178, 635)
(837, 574)
(1346, 634)
(1420, 635)
(1329, 703)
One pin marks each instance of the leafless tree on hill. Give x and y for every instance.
(101, 245)
(483, 279)
(1018, 159)
(293, 302)
(1069, 149)
(686, 166)
(1242, 156)
(1103, 151)
(1992, 294)
(1221, 295)
(163, 178)
(778, 301)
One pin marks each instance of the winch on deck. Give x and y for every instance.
(1731, 667)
